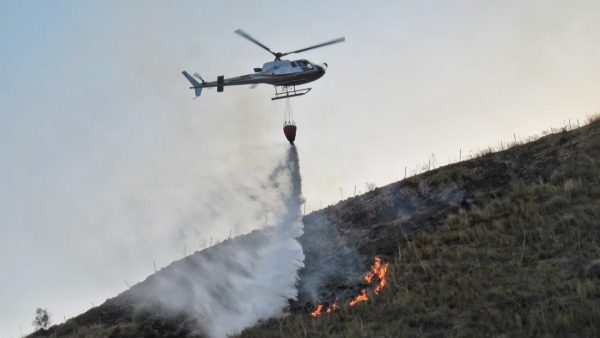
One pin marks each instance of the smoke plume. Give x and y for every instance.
(232, 285)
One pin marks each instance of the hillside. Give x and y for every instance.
(503, 244)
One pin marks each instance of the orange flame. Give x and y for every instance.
(333, 307)
(317, 310)
(380, 271)
(362, 297)
(377, 272)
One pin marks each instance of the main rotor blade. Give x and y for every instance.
(247, 36)
(338, 40)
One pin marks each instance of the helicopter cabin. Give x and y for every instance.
(285, 66)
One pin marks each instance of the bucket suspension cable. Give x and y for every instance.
(288, 114)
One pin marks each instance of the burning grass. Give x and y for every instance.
(376, 276)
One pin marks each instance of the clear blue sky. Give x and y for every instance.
(107, 163)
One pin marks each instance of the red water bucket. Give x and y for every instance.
(289, 130)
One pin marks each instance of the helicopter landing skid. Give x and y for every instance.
(289, 91)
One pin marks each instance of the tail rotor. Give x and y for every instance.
(196, 86)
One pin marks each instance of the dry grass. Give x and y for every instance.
(527, 263)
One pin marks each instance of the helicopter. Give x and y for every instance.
(284, 75)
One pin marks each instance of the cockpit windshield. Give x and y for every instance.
(304, 64)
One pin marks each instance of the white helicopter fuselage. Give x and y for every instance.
(277, 73)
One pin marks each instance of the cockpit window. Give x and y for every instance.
(293, 64)
(303, 63)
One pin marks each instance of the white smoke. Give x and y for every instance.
(236, 283)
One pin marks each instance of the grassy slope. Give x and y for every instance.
(502, 244)
(524, 263)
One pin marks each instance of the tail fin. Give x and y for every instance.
(197, 86)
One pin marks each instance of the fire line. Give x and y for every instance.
(376, 274)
